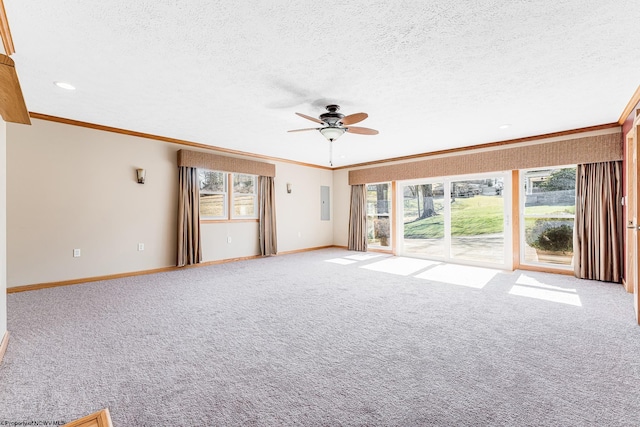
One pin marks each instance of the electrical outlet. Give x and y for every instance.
(141, 246)
(76, 253)
(228, 239)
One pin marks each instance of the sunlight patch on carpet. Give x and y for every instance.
(462, 275)
(341, 261)
(363, 257)
(530, 287)
(400, 266)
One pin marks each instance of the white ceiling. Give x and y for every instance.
(431, 74)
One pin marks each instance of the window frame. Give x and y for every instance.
(254, 194)
(225, 205)
(370, 229)
(229, 199)
(548, 266)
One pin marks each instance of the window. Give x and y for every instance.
(213, 194)
(244, 196)
(548, 210)
(378, 209)
(215, 203)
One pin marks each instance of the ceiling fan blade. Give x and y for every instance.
(302, 130)
(313, 119)
(354, 118)
(362, 131)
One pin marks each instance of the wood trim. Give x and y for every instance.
(381, 251)
(220, 221)
(546, 270)
(515, 218)
(103, 128)
(46, 285)
(5, 31)
(394, 216)
(4, 344)
(99, 419)
(298, 251)
(631, 105)
(12, 108)
(484, 146)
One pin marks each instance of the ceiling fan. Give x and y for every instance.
(335, 124)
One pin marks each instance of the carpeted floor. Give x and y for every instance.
(331, 338)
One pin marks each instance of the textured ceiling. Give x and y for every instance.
(431, 74)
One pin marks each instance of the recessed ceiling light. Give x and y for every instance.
(65, 85)
(505, 126)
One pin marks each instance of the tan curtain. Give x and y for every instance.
(267, 200)
(358, 219)
(599, 229)
(189, 245)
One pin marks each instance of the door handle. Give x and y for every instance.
(633, 227)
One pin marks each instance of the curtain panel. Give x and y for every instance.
(189, 244)
(358, 218)
(598, 244)
(267, 225)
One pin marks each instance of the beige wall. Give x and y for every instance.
(298, 212)
(342, 202)
(72, 187)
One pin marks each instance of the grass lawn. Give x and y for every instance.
(474, 216)
(469, 217)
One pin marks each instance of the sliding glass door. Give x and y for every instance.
(463, 219)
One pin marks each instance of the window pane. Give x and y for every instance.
(549, 211)
(424, 219)
(211, 181)
(477, 220)
(244, 205)
(244, 183)
(212, 206)
(378, 208)
(550, 192)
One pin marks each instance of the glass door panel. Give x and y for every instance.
(465, 219)
(424, 228)
(477, 220)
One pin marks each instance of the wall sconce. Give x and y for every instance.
(288, 187)
(141, 174)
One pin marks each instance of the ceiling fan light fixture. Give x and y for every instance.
(332, 133)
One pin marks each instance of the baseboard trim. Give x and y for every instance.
(3, 345)
(38, 286)
(298, 251)
(545, 270)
